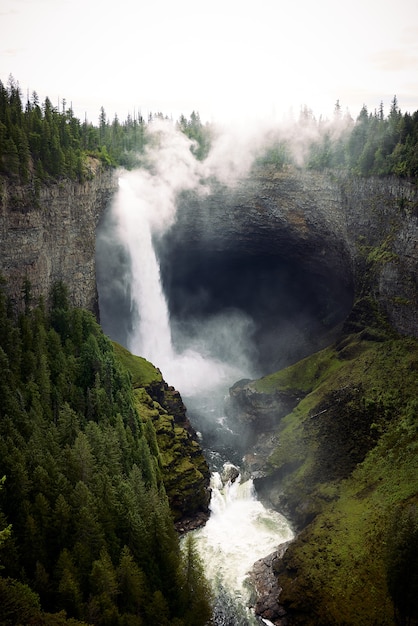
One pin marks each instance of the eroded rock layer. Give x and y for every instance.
(49, 236)
(290, 249)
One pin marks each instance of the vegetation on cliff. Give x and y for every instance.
(346, 470)
(39, 142)
(87, 532)
(371, 145)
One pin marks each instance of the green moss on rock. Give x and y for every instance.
(182, 464)
(346, 461)
(143, 372)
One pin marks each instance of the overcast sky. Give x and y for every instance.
(224, 58)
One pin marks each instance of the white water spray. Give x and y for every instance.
(240, 530)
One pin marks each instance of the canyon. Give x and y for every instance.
(305, 240)
(312, 258)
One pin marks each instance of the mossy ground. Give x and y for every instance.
(183, 466)
(348, 454)
(143, 372)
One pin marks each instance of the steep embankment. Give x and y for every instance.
(343, 465)
(185, 471)
(48, 235)
(334, 436)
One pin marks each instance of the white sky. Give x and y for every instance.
(224, 58)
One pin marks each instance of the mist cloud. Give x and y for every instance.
(198, 350)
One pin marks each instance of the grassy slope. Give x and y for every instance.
(351, 446)
(184, 468)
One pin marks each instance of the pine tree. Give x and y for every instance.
(197, 594)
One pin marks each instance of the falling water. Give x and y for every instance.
(191, 369)
(152, 336)
(239, 532)
(240, 529)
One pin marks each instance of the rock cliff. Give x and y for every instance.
(48, 235)
(293, 249)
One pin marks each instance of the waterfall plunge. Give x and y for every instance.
(194, 368)
(152, 336)
(240, 529)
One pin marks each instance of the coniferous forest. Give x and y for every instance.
(86, 528)
(39, 142)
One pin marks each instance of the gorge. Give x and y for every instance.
(299, 261)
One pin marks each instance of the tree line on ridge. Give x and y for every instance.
(40, 143)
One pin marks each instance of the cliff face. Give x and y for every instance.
(337, 234)
(49, 236)
(382, 233)
(293, 250)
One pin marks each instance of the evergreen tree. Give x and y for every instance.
(84, 495)
(196, 592)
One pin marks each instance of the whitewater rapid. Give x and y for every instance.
(240, 529)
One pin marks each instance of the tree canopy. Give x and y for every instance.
(39, 142)
(86, 530)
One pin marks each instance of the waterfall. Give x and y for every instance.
(152, 336)
(194, 367)
(240, 529)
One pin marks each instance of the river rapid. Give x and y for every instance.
(202, 362)
(240, 529)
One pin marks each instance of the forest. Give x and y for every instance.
(86, 530)
(40, 143)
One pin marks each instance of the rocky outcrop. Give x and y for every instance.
(48, 235)
(260, 411)
(184, 469)
(263, 579)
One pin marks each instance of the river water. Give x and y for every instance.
(240, 529)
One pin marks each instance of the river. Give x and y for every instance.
(202, 366)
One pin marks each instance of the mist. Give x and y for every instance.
(205, 318)
(194, 354)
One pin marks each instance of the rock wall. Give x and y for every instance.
(293, 250)
(382, 233)
(49, 235)
(347, 234)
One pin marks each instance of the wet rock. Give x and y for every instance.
(266, 589)
(230, 473)
(188, 524)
